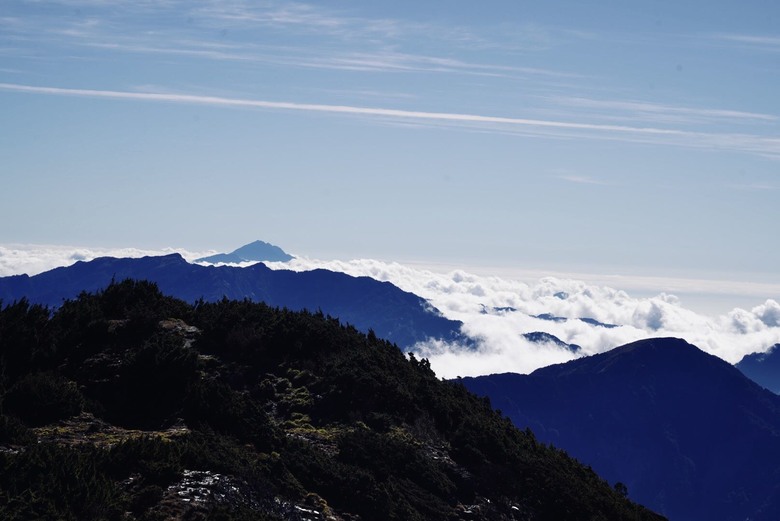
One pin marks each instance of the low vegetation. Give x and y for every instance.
(128, 404)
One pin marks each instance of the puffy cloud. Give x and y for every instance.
(768, 313)
(517, 355)
(497, 311)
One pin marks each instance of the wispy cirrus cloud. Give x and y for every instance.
(748, 143)
(328, 21)
(755, 187)
(582, 180)
(307, 57)
(273, 13)
(659, 112)
(334, 39)
(769, 43)
(339, 23)
(396, 61)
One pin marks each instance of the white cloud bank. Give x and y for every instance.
(464, 296)
(497, 311)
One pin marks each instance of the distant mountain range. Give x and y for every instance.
(391, 313)
(540, 337)
(588, 320)
(257, 251)
(548, 316)
(763, 368)
(688, 434)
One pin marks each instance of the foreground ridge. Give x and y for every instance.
(128, 404)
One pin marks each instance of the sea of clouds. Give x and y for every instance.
(497, 311)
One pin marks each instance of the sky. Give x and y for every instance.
(609, 139)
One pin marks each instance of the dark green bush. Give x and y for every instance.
(42, 398)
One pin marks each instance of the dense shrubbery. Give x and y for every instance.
(41, 398)
(26, 341)
(284, 403)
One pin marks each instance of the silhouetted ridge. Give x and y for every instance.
(687, 433)
(366, 303)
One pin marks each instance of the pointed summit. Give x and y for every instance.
(257, 251)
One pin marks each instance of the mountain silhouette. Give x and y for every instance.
(540, 337)
(688, 434)
(130, 404)
(763, 368)
(393, 314)
(588, 320)
(254, 251)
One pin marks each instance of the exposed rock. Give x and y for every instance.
(199, 491)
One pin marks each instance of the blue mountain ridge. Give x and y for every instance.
(763, 368)
(687, 433)
(393, 314)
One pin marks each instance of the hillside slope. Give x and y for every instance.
(131, 405)
(396, 315)
(689, 435)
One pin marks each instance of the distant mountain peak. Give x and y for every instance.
(770, 354)
(763, 368)
(256, 251)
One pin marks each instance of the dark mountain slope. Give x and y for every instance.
(131, 405)
(393, 314)
(686, 432)
(763, 368)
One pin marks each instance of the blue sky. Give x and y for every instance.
(600, 137)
